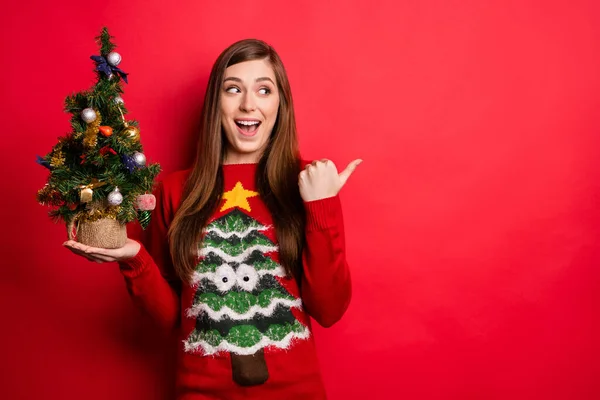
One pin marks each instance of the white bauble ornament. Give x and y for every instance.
(139, 159)
(115, 197)
(88, 115)
(113, 58)
(119, 100)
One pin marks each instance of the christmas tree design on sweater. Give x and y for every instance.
(240, 305)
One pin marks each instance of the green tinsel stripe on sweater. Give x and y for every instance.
(234, 222)
(207, 266)
(262, 264)
(246, 335)
(236, 246)
(267, 264)
(240, 302)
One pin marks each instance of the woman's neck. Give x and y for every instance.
(240, 159)
(240, 163)
(233, 157)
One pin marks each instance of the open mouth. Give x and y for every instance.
(247, 127)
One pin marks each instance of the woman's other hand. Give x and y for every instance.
(320, 179)
(99, 255)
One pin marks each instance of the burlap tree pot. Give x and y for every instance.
(106, 233)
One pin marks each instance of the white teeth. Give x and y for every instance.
(247, 123)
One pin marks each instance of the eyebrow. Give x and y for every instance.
(264, 78)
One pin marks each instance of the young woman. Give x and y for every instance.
(246, 245)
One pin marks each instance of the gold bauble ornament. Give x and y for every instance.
(132, 132)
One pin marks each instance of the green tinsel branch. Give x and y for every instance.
(106, 46)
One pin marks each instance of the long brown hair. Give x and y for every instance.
(276, 175)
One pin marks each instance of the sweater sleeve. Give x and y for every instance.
(326, 287)
(149, 276)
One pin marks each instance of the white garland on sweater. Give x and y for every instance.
(244, 351)
(200, 308)
(241, 235)
(240, 257)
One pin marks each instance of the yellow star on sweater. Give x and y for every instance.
(238, 197)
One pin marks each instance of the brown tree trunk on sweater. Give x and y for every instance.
(249, 370)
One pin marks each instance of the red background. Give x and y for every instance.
(472, 225)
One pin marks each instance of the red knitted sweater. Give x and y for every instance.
(244, 326)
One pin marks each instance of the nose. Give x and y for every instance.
(248, 102)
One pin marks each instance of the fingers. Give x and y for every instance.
(101, 258)
(315, 163)
(322, 160)
(75, 245)
(308, 168)
(302, 175)
(349, 170)
(87, 252)
(80, 253)
(97, 251)
(102, 254)
(74, 249)
(311, 168)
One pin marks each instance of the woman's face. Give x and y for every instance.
(249, 104)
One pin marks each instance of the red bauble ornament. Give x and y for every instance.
(107, 149)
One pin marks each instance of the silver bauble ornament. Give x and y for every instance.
(119, 100)
(139, 159)
(113, 58)
(115, 197)
(88, 115)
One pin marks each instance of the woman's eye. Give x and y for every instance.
(264, 91)
(232, 89)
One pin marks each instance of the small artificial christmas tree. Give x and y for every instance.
(240, 306)
(99, 179)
